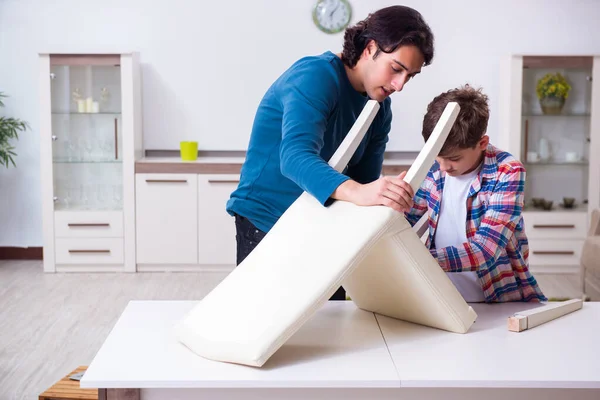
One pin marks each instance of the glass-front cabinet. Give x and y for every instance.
(550, 120)
(90, 119)
(555, 134)
(86, 126)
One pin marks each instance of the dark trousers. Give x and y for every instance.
(248, 236)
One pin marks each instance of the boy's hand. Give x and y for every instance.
(393, 192)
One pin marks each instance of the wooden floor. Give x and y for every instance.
(52, 323)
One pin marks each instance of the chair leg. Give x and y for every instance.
(340, 294)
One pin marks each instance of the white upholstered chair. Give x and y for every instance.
(312, 250)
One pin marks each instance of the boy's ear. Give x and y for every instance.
(483, 142)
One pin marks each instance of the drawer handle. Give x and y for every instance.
(554, 226)
(166, 180)
(89, 251)
(86, 225)
(223, 181)
(555, 253)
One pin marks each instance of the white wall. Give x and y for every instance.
(206, 65)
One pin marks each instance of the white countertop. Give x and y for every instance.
(240, 160)
(200, 160)
(343, 347)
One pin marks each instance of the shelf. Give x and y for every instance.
(106, 161)
(557, 163)
(116, 114)
(557, 208)
(574, 115)
(86, 208)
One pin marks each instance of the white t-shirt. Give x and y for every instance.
(452, 231)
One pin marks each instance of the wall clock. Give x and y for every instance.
(332, 16)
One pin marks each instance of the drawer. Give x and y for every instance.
(555, 225)
(83, 224)
(554, 252)
(89, 251)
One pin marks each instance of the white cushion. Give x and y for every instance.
(307, 255)
(400, 279)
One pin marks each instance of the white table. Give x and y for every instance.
(344, 352)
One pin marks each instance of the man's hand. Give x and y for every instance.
(393, 192)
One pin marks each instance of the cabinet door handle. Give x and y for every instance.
(166, 180)
(554, 226)
(116, 142)
(223, 181)
(89, 251)
(73, 225)
(555, 253)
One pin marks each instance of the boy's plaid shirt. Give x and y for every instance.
(497, 247)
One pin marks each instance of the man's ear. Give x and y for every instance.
(370, 49)
(483, 142)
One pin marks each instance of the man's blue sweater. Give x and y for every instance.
(300, 122)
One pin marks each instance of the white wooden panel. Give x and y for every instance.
(431, 358)
(339, 347)
(88, 224)
(166, 218)
(46, 162)
(555, 225)
(556, 252)
(131, 132)
(594, 175)
(89, 251)
(216, 228)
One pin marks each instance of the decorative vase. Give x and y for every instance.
(544, 149)
(552, 105)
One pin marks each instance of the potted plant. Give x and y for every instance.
(552, 91)
(9, 129)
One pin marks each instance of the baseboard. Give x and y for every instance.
(21, 253)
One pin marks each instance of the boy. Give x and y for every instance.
(308, 111)
(474, 197)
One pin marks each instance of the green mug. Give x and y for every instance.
(189, 151)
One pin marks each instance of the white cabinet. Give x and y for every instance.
(182, 224)
(560, 148)
(166, 219)
(216, 228)
(555, 240)
(87, 241)
(90, 133)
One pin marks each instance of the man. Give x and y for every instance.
(308, 111)
(474, 196)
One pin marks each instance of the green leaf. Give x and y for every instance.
(9, 130)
